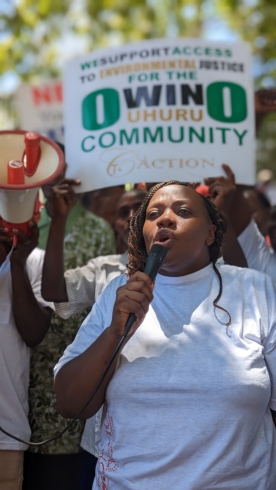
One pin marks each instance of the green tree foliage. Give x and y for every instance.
(35, 35)
(27, 34)
(255, 21)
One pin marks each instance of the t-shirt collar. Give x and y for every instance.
(188, 278)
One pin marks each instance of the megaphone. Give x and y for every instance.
(28, 161)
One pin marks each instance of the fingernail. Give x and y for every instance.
(5, 229)
(15, 230)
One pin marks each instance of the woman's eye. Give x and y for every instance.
(183, 211)
(153, 214)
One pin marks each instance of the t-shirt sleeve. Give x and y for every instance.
(269, 335)
(34, 270)
(80, 286)
(95, 323)
(270, 357)
(257, 253)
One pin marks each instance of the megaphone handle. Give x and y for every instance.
(24, 227)
(38, 206)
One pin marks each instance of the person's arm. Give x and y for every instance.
(31, 318)
(81, 289)
(265, 103)
(77, 379)
(231, 250)
(222, 192)
(238, 212)
(60, 200)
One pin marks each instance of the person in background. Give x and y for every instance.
(24, 320)
(76, 289)
(58, 464)
(103, 202)
(231, 250)
(259, 255)
(259, 207)
(265, 103)
(271, 227)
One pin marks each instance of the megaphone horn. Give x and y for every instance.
(28, 161)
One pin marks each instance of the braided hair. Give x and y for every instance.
(137, 249)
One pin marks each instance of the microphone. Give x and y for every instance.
(154, 262)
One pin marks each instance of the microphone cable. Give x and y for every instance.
(60, 434)
(154, 262)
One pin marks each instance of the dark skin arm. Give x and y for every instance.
(60, 200)
(238, 212)
(222, 192)
(31, 318)
(265, 103)
(77, 379)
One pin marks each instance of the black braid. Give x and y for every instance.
(137, 249)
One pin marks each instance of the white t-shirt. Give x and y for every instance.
(188, 405)
(258, 254)
(15, 357)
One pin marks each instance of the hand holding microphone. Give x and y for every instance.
(133, 299)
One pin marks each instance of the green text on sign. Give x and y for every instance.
(110, 113)
(226, 102)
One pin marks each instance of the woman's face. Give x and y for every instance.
(176, 217)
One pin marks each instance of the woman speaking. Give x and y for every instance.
(187, 400)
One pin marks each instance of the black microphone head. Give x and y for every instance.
(159, 250)
(155, 260)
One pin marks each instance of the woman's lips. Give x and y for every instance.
(165, 243)
(164, 237)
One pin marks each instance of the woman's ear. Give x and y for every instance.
(211, 235)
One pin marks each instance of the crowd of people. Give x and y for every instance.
(190, 400)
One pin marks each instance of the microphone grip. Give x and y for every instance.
(154, 262)
(130, 322)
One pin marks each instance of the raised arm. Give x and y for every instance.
(77, 379)
(265, 103)
(223, 192)
(32, 319)
(60, 200)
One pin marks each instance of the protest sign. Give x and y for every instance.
(40, 109)
(158, 110)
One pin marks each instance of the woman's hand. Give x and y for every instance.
(5, 244)
(135, 297)
(61, 198)
(265, 103)
(25, 244)
(222, 189)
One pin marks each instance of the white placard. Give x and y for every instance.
(40, 109)
(158, 110)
